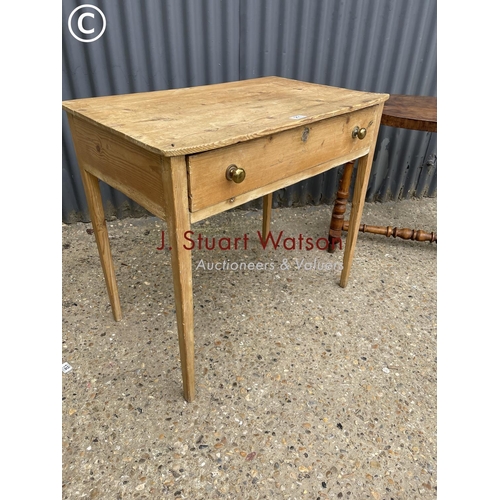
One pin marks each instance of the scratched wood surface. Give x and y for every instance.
(191, 120)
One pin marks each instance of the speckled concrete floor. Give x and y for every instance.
(304, 389)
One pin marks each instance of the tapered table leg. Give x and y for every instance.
(267, 202)
(174, 178)
(358, 201)
(96, 210)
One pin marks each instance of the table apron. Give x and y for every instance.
(271, 163)
(125, 166)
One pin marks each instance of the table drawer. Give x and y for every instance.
(278, 156)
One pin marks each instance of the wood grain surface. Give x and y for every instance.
(191, 120)
(414, 112)
(277, 156)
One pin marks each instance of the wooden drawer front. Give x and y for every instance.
(275, 157)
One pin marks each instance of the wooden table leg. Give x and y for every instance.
(337, 220)
(96, 210)
(267, 201)
(358, 201)
(174, 178)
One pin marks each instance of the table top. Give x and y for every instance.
(196, 119)
(413, 112)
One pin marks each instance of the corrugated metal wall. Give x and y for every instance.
(374, 45)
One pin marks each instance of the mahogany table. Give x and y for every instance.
(190, 153)
(412, 112)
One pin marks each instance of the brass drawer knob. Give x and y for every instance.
(235, 174)
(360, 133)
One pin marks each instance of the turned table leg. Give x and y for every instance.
(174, 178)
(338, 224)
(396, 232)
(335, 234)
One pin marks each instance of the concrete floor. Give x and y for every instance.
(304, 390)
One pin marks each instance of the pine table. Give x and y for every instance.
(187, 154)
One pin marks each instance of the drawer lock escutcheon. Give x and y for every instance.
(360, 133)
(235, 174)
